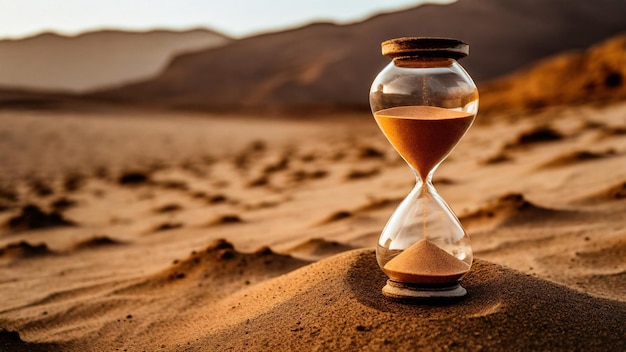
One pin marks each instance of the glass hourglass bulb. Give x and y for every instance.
(424, 102)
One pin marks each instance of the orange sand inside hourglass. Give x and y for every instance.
(425, 263)
(424, 135)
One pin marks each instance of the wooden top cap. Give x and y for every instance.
(425, 47)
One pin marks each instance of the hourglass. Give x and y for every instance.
(424, 102)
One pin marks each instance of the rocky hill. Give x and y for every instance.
(332, 66)
(95, 60)
(595, 74)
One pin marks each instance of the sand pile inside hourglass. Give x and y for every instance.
(425, 263)
(423, 136)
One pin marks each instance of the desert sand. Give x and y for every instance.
(138, 230)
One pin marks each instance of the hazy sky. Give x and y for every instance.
(19, 18)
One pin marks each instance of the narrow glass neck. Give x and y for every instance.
(426, 181)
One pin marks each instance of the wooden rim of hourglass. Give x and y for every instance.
(403, 291)
(425, 47)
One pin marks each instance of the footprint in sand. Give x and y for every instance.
(227, 219)
(303, 175)
(318, 248)
(379, 203)
(362, 174)
(166, 226)
(498, 158)
(611, 193)
(24, 249)
(133, 178)
(40, 187)
(168, 208)
(539, 134)
(8, 198)
(372, 205)
(72, 182)
(369, 152)
(514, 209)
(173, 185)
(336, 216)
(62, 204)
(575, 158)
(31, 217)
(96, 242)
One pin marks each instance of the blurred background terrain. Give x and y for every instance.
(326, 65)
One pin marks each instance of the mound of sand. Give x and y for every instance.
(336, 304)
(219, 262)
(597, 74)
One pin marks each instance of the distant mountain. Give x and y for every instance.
(52, 62)
(332, 66)
(596, 74)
